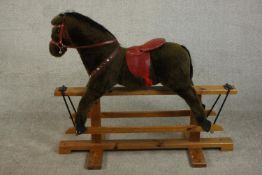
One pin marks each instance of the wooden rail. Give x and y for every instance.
(143, 129)
(155, 90)
(146, 114)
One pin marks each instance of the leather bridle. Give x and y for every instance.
(61, 46)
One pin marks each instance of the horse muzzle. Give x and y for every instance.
(56, 50)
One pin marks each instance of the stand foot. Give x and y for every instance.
(196, 157)
(94, 159)
(227, 147)
(63, 148)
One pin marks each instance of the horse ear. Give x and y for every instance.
(57, 19)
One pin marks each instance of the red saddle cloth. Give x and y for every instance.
(138, 59)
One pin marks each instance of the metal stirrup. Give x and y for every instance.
(62, 89)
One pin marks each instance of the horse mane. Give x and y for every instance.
(89, 21)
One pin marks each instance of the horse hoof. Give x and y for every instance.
(206, 125)
(80, 130)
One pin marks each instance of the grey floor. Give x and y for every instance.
(225, 42)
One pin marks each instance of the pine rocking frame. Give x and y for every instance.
(192, 140)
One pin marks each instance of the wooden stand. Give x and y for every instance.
(191, 141)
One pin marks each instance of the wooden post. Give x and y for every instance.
(196, 155)
(95, 119)
(95, 157)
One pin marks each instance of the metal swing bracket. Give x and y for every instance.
(228, 87)
(62, 89)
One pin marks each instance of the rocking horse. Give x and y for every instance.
(108, 64)
(137, 68)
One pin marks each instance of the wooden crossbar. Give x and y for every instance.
(131, 114)
(145, 114)
(145, 129)
(155, 90)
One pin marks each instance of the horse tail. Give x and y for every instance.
(191, 66)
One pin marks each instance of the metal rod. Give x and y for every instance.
(221, 107)
(72, 104)
(213, 105)
(67, 107)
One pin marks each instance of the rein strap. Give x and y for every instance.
(61, 45)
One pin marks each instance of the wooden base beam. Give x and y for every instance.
(223, 143)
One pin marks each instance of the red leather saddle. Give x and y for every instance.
(138, 58)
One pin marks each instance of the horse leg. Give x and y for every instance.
(172, 64)
(84, 106)
(191, 98)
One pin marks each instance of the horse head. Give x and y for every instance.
(57, 36)
(73, 30)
